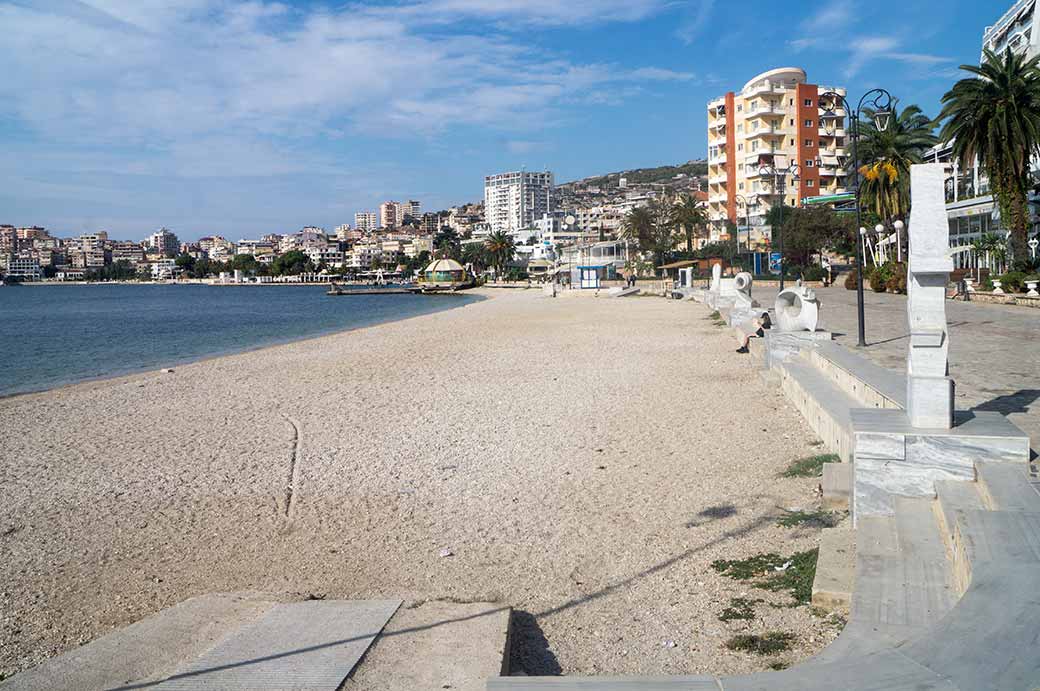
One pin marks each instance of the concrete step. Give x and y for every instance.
(836, 486)
(1007, 486)
(953, 498)
(927, 571)
(871, 384)
(824, 406)
(835, 569)
(310, 645)
(148, 650)
(437, 645)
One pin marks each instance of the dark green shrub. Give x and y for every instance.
(896, 282)
(851, 279)
(814, 273)
(877, 280)
(1013, 282)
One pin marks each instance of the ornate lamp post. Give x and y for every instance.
(779, 176)
(747, 220)
(880, 102)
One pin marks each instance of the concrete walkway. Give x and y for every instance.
(994, 349)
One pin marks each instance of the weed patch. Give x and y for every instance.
(779, 665)
(767, 644)
(793, 574)
(740, 608)
(818, 519)
(810, 466)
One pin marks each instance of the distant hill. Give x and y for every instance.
(643, 176)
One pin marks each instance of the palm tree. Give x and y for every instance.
(995, 116)
(688, 215)
(638, 225)
(889, 153)
(500, 250)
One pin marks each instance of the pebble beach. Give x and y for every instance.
(581, 459)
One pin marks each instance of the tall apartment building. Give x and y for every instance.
(391, 214)
(164, 242)
(92, 250)
(1017, 29)
(775, 120)
(515, 200)
(366, 221)
(413, 208)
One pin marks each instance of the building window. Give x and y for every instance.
(792, 122)
(740, 107)
(792, 102)
(809, 163)
(808, 142)
(808, 103)
(740, 187)
(810, 183)
(792, 142)
(808, 123)
(740, 147)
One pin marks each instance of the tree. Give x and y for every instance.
(810, 230)
(888, 154)
(185, 262)
(476, 254)
(995, 116)
(688, 215)
(446, 243)
(243, 262)
(291, 263)
(651, 228)
(500, 250)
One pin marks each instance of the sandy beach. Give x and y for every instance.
(582, 460)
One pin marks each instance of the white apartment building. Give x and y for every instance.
(92, 250)
(1017, 29)
(254, 248)
(391, 214)
(329, 255)
(776, 120)
(515, 200)
(24, 269)
(164, 269)
(413, 209)
(362, 255)
(164, 242)
(418, 245)
(366, 221)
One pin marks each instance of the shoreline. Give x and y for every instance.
(583, 461)
(157, 369)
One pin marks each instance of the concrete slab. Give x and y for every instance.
(835, 570)
(147, 650)
(437, 645)
(836, 486)
(874, 386)
(1008, 487)
(299, 645)
(604, 684)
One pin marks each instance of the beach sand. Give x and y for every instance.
(583, 460)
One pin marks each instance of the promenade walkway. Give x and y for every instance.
(994, 349)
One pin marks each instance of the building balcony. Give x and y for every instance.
(765, 88)
(719, 160)
(717, 122)
(771, 112)
(717, 198)
(832, 131)
(767, 133)
(718, 179)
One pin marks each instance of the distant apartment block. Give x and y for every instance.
(413, 209)
(391, 214)
(1017, 29)
(24, 269)
(514, 200)
(775, 120)
(131, 252)
(164, 242)
(366, 221)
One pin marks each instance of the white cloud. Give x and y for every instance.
(158, 73)
(834, 16)
(696, 21)
(870, 48)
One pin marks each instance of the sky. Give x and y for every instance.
(245, 117)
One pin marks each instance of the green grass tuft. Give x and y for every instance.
(820, 519)
(797, 578)
(810, 466)
(739, 608)
(779, 665)
(769, 643)
(714, 315)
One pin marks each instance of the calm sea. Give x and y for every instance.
(55, 335)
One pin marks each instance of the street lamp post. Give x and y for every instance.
(747, 220)
(779, 176)
(880, 102)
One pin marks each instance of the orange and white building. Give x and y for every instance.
(775, 120)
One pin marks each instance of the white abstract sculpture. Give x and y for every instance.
(929, 387)
(716, 278)
(797, 309)
(742, 283)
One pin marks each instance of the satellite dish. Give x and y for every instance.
(569, 220)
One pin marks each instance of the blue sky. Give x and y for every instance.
(246, 117)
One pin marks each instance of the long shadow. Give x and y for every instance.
(529, 649)
(1017, 402)
(951, 325)
(543, 658)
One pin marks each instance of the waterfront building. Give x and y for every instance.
(366, 221)
(164, 242)
(131, 252)
(418, 245)
(391, 214)
(24, 269)
(775, 120)
(1018, 29)
(329, 255)
(516, 199)
(254, 248)
(8, 240)
(209, 243)
(90, 254)
(164, 269)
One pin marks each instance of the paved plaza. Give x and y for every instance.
(994, 349)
